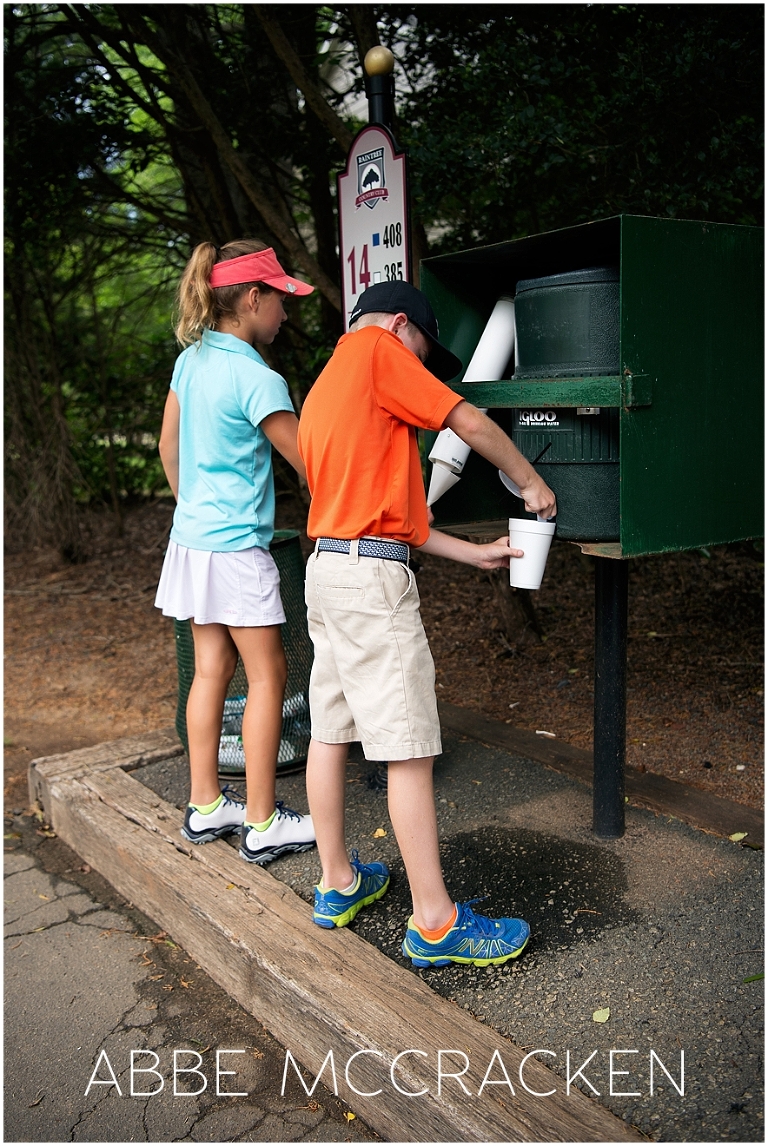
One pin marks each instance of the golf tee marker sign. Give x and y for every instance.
(374, 242)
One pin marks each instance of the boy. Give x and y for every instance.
(373, 676)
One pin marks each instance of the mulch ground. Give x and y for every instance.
(88, 657)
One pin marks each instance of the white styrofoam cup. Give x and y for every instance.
(534, 538)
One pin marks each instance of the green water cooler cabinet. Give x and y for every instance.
(639, 366)
(637, 389)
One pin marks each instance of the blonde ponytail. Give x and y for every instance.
(201, 307)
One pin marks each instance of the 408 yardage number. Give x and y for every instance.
(393, 235)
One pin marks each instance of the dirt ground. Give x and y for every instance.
(88, 658)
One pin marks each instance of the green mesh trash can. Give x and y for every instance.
(294, 741)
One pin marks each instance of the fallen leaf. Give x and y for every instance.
(602, 1015)
(229, 887)
(738, 836)
(349, 1115)
(754, 978)
(477, 781)
(378, 835)
(186, 982)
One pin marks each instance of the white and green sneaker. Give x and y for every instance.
(225, 816)
(287, 831)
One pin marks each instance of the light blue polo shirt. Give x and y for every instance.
(226, 489)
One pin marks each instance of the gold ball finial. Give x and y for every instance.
(379, 61)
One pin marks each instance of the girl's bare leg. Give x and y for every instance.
(215, 662)
(326, 792)
(412, 811)
(264, 660)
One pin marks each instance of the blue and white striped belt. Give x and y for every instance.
(367, 547)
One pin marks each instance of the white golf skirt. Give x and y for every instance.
(241, 588)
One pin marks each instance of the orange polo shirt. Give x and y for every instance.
(357, 438)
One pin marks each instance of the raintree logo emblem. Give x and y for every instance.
(371, 180)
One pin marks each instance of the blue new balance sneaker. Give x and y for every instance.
(337, 908)
(472, 939)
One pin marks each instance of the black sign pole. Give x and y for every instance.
(610, 740)
(380, 86)
(378, 65)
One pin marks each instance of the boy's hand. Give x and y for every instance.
(495, 554)
(539, 498)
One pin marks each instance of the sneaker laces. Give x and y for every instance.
(357, 864)
(483, 924)
(231, 796)
(284, 813)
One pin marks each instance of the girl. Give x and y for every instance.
(225, 411)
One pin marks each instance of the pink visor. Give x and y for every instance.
(259, 267)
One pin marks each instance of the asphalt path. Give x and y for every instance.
(660, 929)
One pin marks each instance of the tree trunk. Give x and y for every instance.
(40, 469)
(517, 617)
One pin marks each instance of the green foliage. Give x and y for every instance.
(523, 119)
(517, 119)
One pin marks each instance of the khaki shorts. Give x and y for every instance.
(373, 678)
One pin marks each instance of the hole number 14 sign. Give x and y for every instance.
(374, 238)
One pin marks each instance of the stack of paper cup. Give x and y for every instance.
(492, 353)
(534, 538)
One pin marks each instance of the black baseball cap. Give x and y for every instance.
(400, 297)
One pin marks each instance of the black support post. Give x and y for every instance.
(381, 99)
(611, 593)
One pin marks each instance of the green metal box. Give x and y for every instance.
(680, 448)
